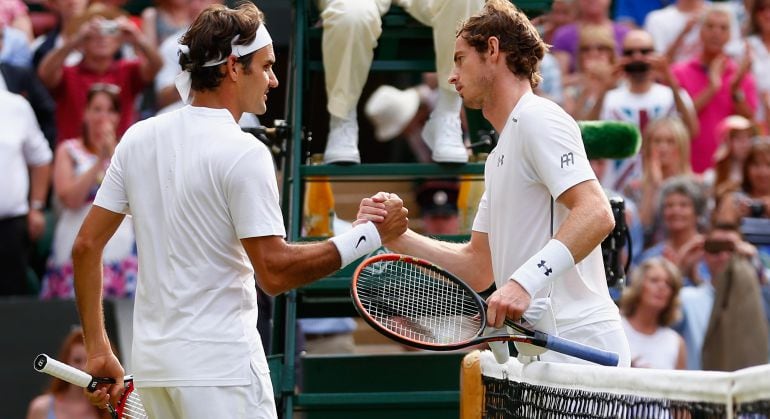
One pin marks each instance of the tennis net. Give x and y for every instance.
(546, 390)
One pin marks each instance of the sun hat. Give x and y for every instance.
(390, 109)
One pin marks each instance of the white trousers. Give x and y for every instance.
(352, 27)
(254, 401)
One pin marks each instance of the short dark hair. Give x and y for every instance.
(209, 39)
(519, 39)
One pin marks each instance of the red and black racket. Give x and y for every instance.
(129, 406)
(419, 304)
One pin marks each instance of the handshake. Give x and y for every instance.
(387, 212)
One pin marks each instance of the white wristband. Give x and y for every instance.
(544, 267)
(357, 242)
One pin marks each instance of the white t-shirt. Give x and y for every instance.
(620, 104)
(195, 184)
(540, 155)
(22, 144)
(667, 23)
(659, 350)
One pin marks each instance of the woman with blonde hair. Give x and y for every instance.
(596, 72)
(665, 154)
(650, 305)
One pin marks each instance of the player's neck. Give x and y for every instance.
(504, 95)
(216, 99)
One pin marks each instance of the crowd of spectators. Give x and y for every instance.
(693, 75)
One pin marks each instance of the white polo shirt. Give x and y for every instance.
(195, 184)
(22, 144)
(540, 155)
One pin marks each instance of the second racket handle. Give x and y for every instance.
(72, 375)
(579, 350)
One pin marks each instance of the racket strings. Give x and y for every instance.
(132, 407)
(418, 303)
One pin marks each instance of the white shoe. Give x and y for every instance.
(444, 136)
(342, 143)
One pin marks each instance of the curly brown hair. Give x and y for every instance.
(518, 38)
(209, 39)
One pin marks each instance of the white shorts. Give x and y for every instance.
(254, 401)
(607, 335)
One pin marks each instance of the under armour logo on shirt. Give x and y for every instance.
(547, 270)
(567, 159)
(500, 160)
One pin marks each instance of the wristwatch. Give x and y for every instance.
(36, 204)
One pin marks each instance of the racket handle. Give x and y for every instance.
(578, 350)
(72, 375)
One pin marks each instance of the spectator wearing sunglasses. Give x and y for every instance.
(596, 72)
(640, 99)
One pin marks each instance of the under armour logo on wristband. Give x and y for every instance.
(547, 270)
(360, 240)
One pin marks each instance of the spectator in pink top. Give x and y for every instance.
(99, 32)
(719, 86)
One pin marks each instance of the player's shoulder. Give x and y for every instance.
(539, 113)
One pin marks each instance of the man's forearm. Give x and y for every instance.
(39, 180)
(468, 261)
(87, 265)
(153, 61)
(50, 69)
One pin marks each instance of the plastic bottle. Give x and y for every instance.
(318, 205)
(468, 197)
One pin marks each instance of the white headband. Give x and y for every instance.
(183, 81)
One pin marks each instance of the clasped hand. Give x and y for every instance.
(387, 211)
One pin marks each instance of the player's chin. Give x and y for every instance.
(259, 108)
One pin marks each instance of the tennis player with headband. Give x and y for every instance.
(543, 215)
(204, 201)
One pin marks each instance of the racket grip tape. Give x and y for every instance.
(72, 375)
(578, 350)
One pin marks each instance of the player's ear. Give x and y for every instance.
(233, 68)
(493, 46)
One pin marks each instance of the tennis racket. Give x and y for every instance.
(417, 303)
(129, 406)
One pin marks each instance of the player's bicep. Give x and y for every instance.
(266, 253)
(99, 226)
(588, 193)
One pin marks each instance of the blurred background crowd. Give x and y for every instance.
(692, 75)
